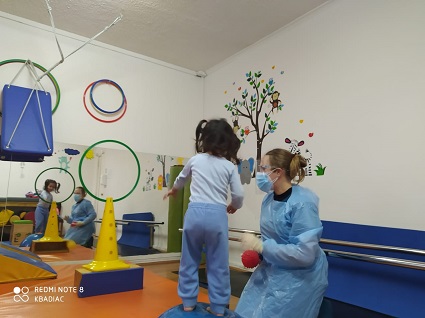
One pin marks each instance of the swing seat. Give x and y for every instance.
(26, 132)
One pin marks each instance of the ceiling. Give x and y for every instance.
(193, 34)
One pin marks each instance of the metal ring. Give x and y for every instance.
(81, 164)
(99, 119)
(73, 180)
(107, 82)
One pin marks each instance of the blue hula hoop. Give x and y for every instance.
(107, 82)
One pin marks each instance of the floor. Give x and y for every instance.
(165, 269)
(159, 281)
(27, 292)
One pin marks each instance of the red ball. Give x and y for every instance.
(250, 259)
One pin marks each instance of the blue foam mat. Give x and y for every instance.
(9, 246)
(199, 311)
(26, 259)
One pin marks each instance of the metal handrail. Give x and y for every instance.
(377, 259)
(127, 223)
(232, 229)
(352, 244)
(362, 257)
(116, 223)
(375, 247)
(138, 221)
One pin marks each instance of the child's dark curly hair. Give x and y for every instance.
(49, 181)
(217, 138)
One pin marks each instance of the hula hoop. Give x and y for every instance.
(99, 119)
(81, 164)
(55, 83)
(113, 84)
(73, 180)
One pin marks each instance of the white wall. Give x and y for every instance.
(353, 71)
(164, 107)
(157, 93)
(147, 196)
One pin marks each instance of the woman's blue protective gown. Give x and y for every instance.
(82, 211)
(292, 278)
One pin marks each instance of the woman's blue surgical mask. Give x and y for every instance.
(77, 197)
(264, 182)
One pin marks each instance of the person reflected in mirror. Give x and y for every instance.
(43, 207)
(81, 219)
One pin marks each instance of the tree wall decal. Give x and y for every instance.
(258, 108)
(161, 159)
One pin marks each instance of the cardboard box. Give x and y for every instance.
(20, 230)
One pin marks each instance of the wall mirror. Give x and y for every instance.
(108, 169)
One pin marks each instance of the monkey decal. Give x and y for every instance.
(275, 101)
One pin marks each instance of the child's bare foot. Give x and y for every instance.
(214, 313)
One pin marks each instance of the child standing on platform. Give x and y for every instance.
(212, 171)
(42, 209)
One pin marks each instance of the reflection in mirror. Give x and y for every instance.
(111, 171)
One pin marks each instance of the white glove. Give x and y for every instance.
(251, 242)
